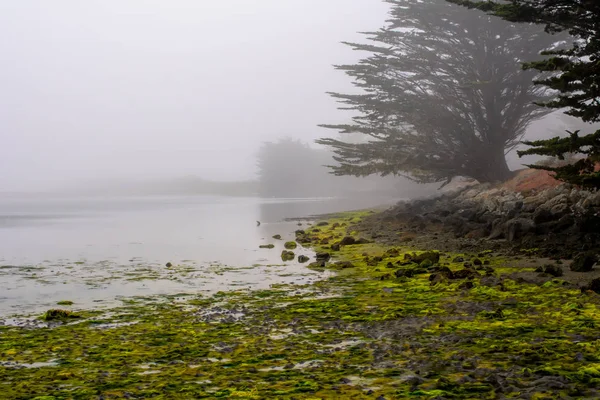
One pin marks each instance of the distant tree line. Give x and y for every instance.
(292, 169)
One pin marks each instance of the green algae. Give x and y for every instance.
(360, 334)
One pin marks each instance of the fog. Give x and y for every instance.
(99, 90)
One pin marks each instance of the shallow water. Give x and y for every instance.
(95, 251)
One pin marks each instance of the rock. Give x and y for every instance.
(168, 265)
(551, 269)
(436, 278)
(347, 241)
(267, 246)
(335, 247)
(477, 261)
(57, 314)
(302, 259)
(362, 241)
(517, 228)
(466, 285)
(290, 245)
(317, 265)
(393, 252)
(497, 230)
(594, 285)
(277, 237)
(323, 256)
(323, 223)
(584, 262)
(287, 255)
(458, 260)
(433, 256)
(404, 273)
(465, 274)
(542, 215)
(343, 265)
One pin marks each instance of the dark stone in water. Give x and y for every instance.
(302, 259)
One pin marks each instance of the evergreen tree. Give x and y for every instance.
(442, 94)
(575, 76)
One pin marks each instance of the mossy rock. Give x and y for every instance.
(277, 237)
(64, 303)
(58, 315)
(433, 256)
(288, 255)
(267, 246)
(290, 245)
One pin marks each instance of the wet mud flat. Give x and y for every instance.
(389, 322)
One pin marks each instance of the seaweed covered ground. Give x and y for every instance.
(393, 323)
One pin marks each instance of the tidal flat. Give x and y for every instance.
(379, 326)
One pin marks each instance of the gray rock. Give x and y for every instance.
(516, 228)
(584, 262)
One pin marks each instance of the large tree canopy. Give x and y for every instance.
(576, 75)
(442, 94)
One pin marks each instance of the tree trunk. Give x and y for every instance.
(490, 166)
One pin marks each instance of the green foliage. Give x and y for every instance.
(441, 95)
(574, 74)
(583, 172)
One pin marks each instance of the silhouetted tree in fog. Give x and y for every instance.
(442, 94)
(575, 75)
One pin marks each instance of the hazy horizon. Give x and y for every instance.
(149, 89)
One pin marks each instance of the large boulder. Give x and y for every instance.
(323, 256)
(516, 228)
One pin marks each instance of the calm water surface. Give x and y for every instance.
(95, 251)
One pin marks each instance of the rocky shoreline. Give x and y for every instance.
(559, 222)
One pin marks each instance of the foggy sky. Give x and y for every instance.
(153, 88)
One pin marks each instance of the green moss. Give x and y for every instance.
(359, 330)
(65, 303)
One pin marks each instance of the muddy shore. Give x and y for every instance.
(393, 322)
